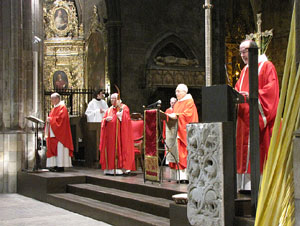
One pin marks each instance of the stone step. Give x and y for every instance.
(140, 202)
(103, 211)
(129, 184)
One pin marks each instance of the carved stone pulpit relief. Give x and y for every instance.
(205, 194)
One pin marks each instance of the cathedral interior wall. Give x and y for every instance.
(143, 25)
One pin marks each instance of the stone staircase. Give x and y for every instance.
(124, 205)
(117, 200)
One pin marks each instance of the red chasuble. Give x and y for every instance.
(120, 131)
(268, 95)
(60, 126)
(187, 113)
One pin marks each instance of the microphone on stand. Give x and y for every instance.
(157, 103)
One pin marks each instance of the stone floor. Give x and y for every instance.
(18, 210)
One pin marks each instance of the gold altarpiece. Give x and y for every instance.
(66, 57)
(63, 47)
(71, 62)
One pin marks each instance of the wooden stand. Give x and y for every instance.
(35, 120)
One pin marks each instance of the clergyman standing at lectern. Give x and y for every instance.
(268, 98)
(186, 112)
(59, 137)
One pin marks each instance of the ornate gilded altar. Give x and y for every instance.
(73, 62)
(63, 47)
(64, 61)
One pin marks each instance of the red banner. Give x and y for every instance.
(151, 145)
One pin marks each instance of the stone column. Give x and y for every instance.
(114, 53)
(16, 91)
(208, 40)
(211, 173)
(218, 41)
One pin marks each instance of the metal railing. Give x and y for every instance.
(76, 100)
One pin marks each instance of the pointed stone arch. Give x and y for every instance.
(169, 45)
(171, 61)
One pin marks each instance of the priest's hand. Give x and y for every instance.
(108, 118)
(118, 103)
(101, 110)
(119, 115)
(172, 115)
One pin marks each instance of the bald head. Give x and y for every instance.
(181, 91)
(245, 44)
(114, 99)
(114, 96)
(55, 98)
(182, 87)
(173, 100)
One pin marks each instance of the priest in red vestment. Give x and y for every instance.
(186, 112)
(59, 137)
(268, 98)
(173, 100)
(116, 141)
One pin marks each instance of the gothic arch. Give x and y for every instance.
(171, 61)
(169, 45)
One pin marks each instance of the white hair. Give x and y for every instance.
(182, 87)
(114, 95)
(173, 98)
(246, 43)
(53, 95)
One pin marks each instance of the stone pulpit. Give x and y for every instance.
(211, 159)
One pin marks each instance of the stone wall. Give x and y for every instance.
(16, 81)
(144, 24)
